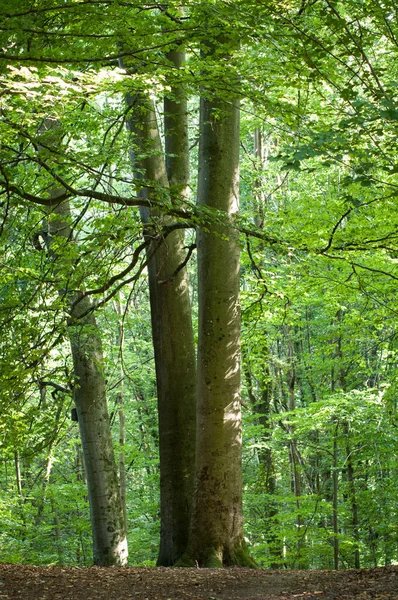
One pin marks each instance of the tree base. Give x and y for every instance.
(241, 558)
(213, 558)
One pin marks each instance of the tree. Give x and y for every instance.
(170, 307)
(216, 532)
(318, 218)
(107, 519)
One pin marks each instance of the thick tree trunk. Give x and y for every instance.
(216, 534)
(171, 318)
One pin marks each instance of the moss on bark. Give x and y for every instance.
(215, 558)
(241, 557)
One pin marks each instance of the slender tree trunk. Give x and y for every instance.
(80, 477)
(258, 182)
(79, 465)
(352, 496)
(122, 418)
(57, 532)
(335, 515)
(262, 404)
(20, 490)
(18, 478)
(47, 471)
(122, 461)
(107, 523)
(109, 535)
(176, 135)
(294, 454)
(216, 534)
(267, 480)
(335, 483)
(350, 467)
(170, 313)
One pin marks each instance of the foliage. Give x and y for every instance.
(318, 224)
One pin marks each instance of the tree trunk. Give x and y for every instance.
(57, 533)
(171, 317)
(47, 468)
(335, 515)
(294, 454)
(261, 402)
(176, 135)
(18, 478)
(352, 495)
(109, 535)
(350, 467)
(216, 534)
(267, 480)
(107, 523)
(122, 418)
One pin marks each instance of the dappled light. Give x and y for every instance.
(198, 284)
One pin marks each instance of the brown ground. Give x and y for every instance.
(126, 583)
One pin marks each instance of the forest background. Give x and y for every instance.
(84, 86)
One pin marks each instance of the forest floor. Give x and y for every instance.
(146, 583)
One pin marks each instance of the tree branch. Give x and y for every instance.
(191, 248)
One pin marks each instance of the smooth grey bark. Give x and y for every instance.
(216, 531)
(122, 417)
(176, 135)
(18, 478)
(170, 312)
(107, 523)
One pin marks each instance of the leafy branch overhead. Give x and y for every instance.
(198, 282)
